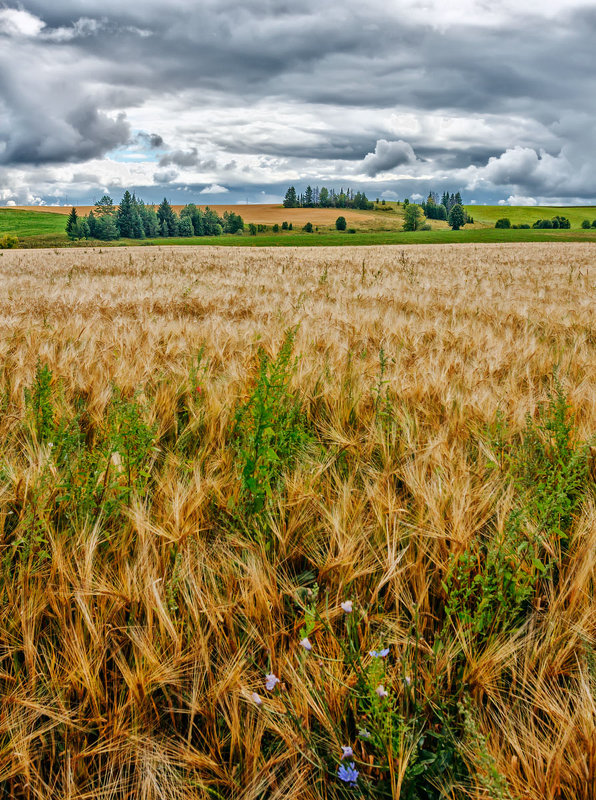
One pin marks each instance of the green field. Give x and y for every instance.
(37, 229)
(520, 215)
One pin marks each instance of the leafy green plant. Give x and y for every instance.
(270, 427)
(38, 400)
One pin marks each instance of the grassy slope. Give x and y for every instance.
(43, 229)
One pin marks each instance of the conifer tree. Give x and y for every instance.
(71, 224)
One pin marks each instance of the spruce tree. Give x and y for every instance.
(290, 200)
(71, 225)
(124, 217)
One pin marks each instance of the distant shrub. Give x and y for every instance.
(426, 227)
(252, 229)
(290, 227)
(284, 226)
(275, 228)
(543, 223)
(594, 223)
(9, 242)
(340, 223)
(351, 230)
(308, 227)
(586, 224)
(504, 222)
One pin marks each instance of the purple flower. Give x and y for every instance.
(256, 699)
(348, 773)
(271, 681)
(347, 752)
(380, 690)
(379, 653)
(347, 606)
(306, 644)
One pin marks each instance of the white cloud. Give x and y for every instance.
(215, 188)
(15, 22)
(519, 200)
(10, 203)
(416, 197)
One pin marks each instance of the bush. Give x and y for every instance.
(340, 224)
(594, 223)
(252, 229)
(290, 227)
(308, 227)
(284, 226)
(586, 224)
(504, 222)
(425, 227)
(275, 228)
(9, 242)
(351, 230)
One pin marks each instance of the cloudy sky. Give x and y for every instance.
(224, 101)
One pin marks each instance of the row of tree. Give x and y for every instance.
(441, 209)
(326, 198)
(133, 219)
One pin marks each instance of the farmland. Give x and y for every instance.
(363, 478)
(44, 227)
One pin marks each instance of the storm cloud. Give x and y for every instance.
(495, 100)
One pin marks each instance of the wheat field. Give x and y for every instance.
(360, 476)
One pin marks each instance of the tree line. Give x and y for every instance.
(326, 198)
(133, 219)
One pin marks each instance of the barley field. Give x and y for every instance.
(301, 523)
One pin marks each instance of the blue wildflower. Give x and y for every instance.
(379, 653)
(348, 773)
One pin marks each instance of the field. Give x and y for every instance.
(43, 227)
(529, 214)
(365, 474)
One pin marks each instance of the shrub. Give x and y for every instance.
(351, 230)
(9, 242)
(340, 224)
(275, 228)
(586, 224)
(504, 222)
(594, 223)
(252, 229)
(284, 226)
(290, 227)
(425, 227)
(308, 227)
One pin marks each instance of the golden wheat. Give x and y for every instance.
(128, 656)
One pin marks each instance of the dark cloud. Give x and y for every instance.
(388, 156)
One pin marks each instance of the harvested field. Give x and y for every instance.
(205, 451)
(263, 214)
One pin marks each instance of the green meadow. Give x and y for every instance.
(36, 229)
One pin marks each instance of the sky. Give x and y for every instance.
(232, 101)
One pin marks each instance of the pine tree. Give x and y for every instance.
(71, 225)
(308, 197)
(124, 217)
(165, 214)
(290, 200)
(456, 217)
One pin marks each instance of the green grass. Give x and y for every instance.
(31, 223)
(529, 214)
(37, 229)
